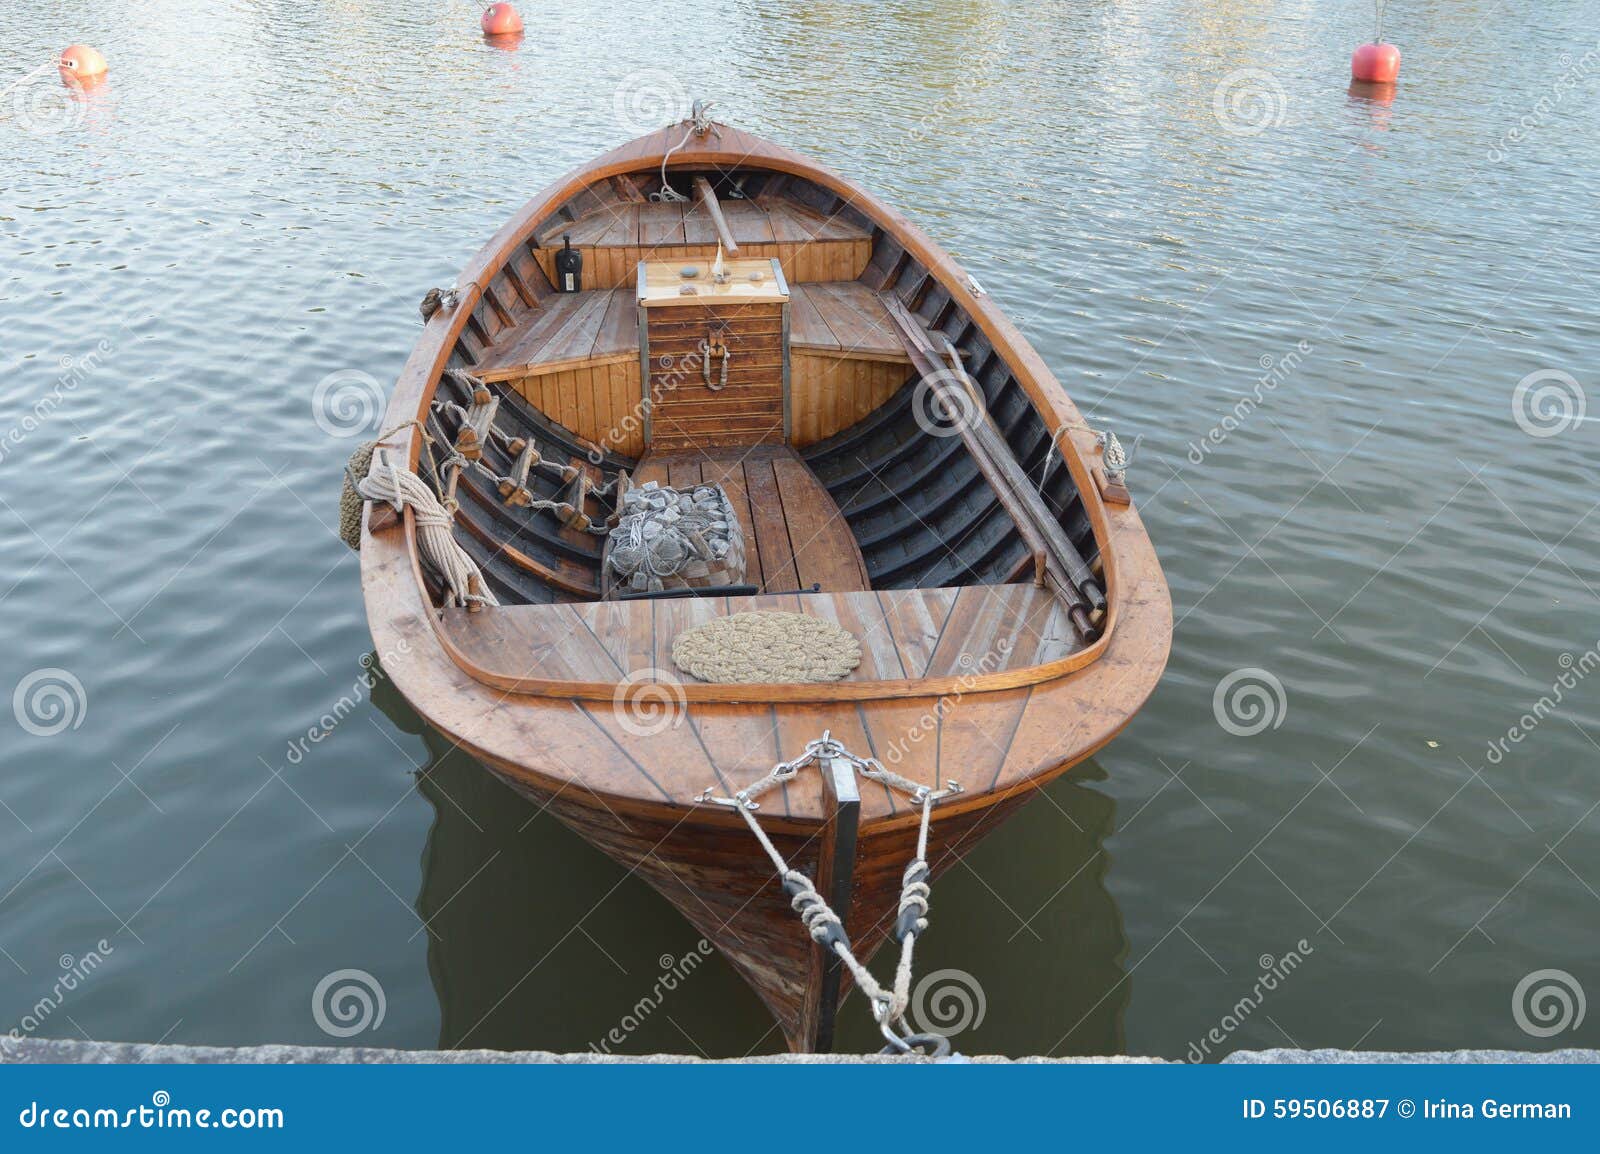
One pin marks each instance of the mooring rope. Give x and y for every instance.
(822, 923)
(400, 487)
(700, 123)
(350, 500)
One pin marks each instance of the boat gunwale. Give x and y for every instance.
(419, 378)
(407, 601)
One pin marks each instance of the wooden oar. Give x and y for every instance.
(1065, 569)
(708, 197)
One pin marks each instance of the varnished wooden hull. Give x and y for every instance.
(720, 880)
(918, 509)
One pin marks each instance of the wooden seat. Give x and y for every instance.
(566, 330)
(615, 237)
(913, 642)
(795, 536)
(846, 319)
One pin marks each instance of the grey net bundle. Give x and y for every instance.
(668, 538)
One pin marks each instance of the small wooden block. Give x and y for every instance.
(381, 516)
(1113, 492)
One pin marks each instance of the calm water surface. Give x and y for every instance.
(1314, 306)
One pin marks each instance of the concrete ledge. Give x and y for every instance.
(47, 1050)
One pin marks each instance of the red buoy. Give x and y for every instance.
(1376, 63)
(80, 64)
(500, 20)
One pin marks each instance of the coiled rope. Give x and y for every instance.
(400, 487)
(350, 500)
(821, 922)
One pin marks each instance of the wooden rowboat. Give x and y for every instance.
(900, 463)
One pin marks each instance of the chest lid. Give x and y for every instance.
(691, 282)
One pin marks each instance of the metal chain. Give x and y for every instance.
(823, 924)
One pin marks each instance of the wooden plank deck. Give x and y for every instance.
(795, 536)
(913, 635)
(568, 330)
(846, 319)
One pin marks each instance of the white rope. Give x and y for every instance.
(700, 124)
(402, 488)
(824, 925)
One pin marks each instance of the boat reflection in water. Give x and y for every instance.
(540, 941)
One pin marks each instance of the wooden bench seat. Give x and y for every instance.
(567, 330)
(614, 238)
(914, 642)
(845, 318)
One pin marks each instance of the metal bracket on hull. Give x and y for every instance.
(836, 871)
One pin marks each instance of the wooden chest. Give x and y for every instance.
(714, 358)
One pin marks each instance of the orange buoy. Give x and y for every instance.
(507, 43)
(80, 64)
(1375, 63)
(500, 20)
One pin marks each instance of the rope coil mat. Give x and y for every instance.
(822, 923)
(763, 647)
